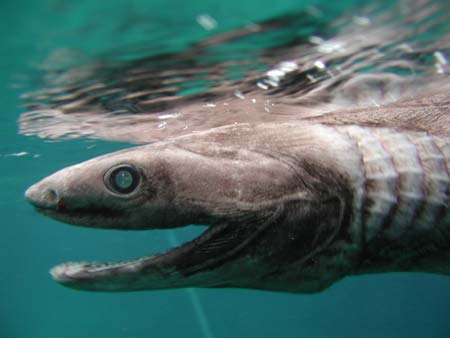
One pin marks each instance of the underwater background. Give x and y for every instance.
(392, 305)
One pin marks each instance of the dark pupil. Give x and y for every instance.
(124, 180)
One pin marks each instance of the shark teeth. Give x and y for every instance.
(69, 270)
(63, 271)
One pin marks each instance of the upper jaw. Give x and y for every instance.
(99, 218)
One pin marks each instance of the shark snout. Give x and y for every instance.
(42, 196)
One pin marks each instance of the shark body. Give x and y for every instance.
(292, 206)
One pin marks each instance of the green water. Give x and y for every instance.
(33, 306)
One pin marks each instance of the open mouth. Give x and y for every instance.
(182, 260)
(163, 270)
(71, 272)
(182, 266)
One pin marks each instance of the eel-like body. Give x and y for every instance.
(291, 206)
(334, 163)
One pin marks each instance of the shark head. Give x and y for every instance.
(269, 215)
(130, 189)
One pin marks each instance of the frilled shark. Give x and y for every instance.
(320, 168)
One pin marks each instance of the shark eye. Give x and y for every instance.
(122, 179)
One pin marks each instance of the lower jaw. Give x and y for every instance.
(111, 276)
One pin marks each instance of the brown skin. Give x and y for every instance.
(278, 200)
(270, 212)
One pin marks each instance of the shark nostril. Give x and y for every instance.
(42, 197)
(51, 196)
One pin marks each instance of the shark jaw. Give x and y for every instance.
(200, 262)
(164, 270)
